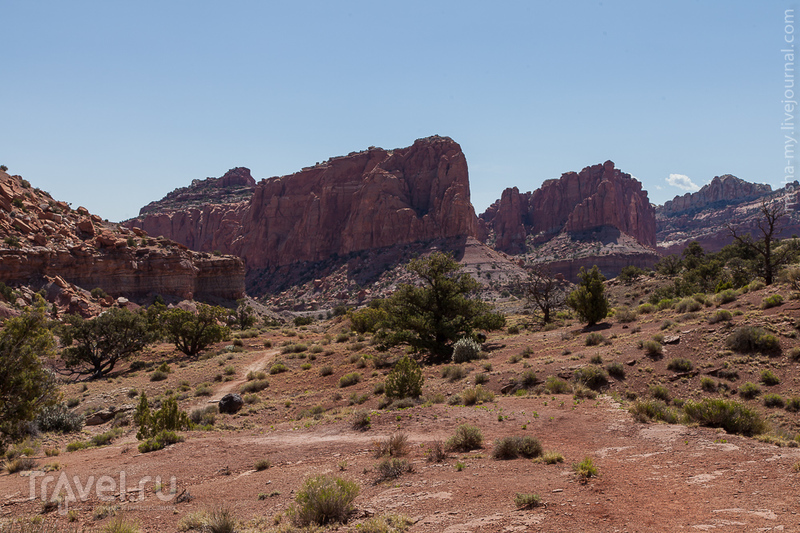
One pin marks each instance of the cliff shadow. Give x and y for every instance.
(602, 234)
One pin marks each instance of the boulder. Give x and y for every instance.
(230, 403)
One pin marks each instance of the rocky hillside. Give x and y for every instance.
(234, 186)
(703, 216)
(45, 242)
(362, 201)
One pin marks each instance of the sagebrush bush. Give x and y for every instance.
(731, 416)
(660, 392)
(349, 379)
(277, 368)
(592, 377)
(361, 420)
(748, 339)
(555, 385)
(392, 468)
(527, 500)
(625, 315)
(204, 416)
(585, 469)
(254, 386)
(454, 372)
(405, 380)
(726, 296)
(466, 438)
(396, 445)
(768, 378)
(594, 339)
(793, 404)
(646, 309)
(688, 305)
(708, 384)
(326, 370)
(680, 364)
(465, 350)
(516, 446)
(59, 418)
(652, 348)
(528, 379)
(721, 315)
(323, 499)
(773, 400)
(773, 300)
(749, 390)
(476, 395)
(616, 369)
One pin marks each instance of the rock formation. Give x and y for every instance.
(723, 190)
(597, 196)
(365, 200)
(42, 240)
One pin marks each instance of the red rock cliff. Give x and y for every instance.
(364, 200)
(599, 195)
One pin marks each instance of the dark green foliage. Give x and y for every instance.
(768, 378)
(98, 293)
(367, 320)
(515, 446)
(708, 384)
(159, 441)
(168, 418)
(405, 380)
(593, 339)
(303, 320)
(25, 385)
(255, 385)
(592, 377)
(60, 419)
(392, 468)
(465, 350)
(589, 300)
(616, 370)
(349, 379)
(772, 301)
(721, 315)
(528, 380)
(554, 385)
(323, 499)
(748, 339)
(793, 404)
(731, 416)
(630, 273)
(466, 438)
(660, 392)
(680, 364)
(773, 400)
(243, 317)
(191, 333)
(104, 340)
(431, 317)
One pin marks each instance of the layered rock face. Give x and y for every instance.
(41, 238)
(722, 190)
(236, 185)
(362, 201)
(597, 196)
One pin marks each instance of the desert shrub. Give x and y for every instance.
(405, 380)
(391, 523)
(625, 315)
(554, 385)
(192, 333)
(302, 321)
(660, 392)
(277, 368)
(731, 416)
(756, 285)
(773, 400)
(666, 325)
(513, 330)
(552, 458)
(204, 389)
(725, 296)
(588, 299)
(749, 390)
(515, 446)
(103, 439)
(527, 500)
(262, 464)
(396, 445)
(688, 305)
(204, 416)
(361, 420)
(379, 388)
(580, 392)
(708, 384)
(59, 418)
(585, 469)
(98, 293)
(773, 300)
(594, 339)
(652, 348)
(616, 370)
(793, 404)
(435, 453)
(454, 372)
(768, 378)
(475, 395)
(794, 353)
(159, 441)
(466, 438)
(366, 320)
(481, 379)
(644, 411)
(465, 350)
(323, 499)
(680, 364)
(646, 309)
(120, 524)
(528, 379)
(721, 315)
(326, 370)
(392, 468)
(592, 377)
(167, 419)
(254, 386)
(158, 375)
(19, 464)
(349, 379)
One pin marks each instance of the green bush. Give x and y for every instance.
(768, 378)
(466, 438)
(708, 384)
(277, 368)
(749, 390)
(159, 441)
(366, 320)
(585, 469)
(793, 404)
(554, 385)
(592, 377)
(731, 416)
(772, 301)
(593, 339)
(652, 348)
(158, 375)
(168, 418)
(528, 380)
(392, 468)
(625, 315)
(405, 380)
(465, 350)
(748, 339)
(192, 333)
(516, 446)
(721, 315)
(254, 386)
(588, 299)
(475, 395)
(323, 499)
(349, 379)
(58, 418)
(660, 392)
(204, 416)
(725, 296)
(454, 372)
(646, 309)
(616, 370)
(326, 370)
(527, 500)
(688, 305)
(644, 411)
(773, 400)
(680, 364)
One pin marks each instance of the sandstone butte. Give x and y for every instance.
(365, 200)
(722, 190)
(597, 196)
(43, 242)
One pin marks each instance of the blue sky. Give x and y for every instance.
(113, 104)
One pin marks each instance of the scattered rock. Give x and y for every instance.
(230, 403)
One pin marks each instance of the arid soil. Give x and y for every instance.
(652, 477)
